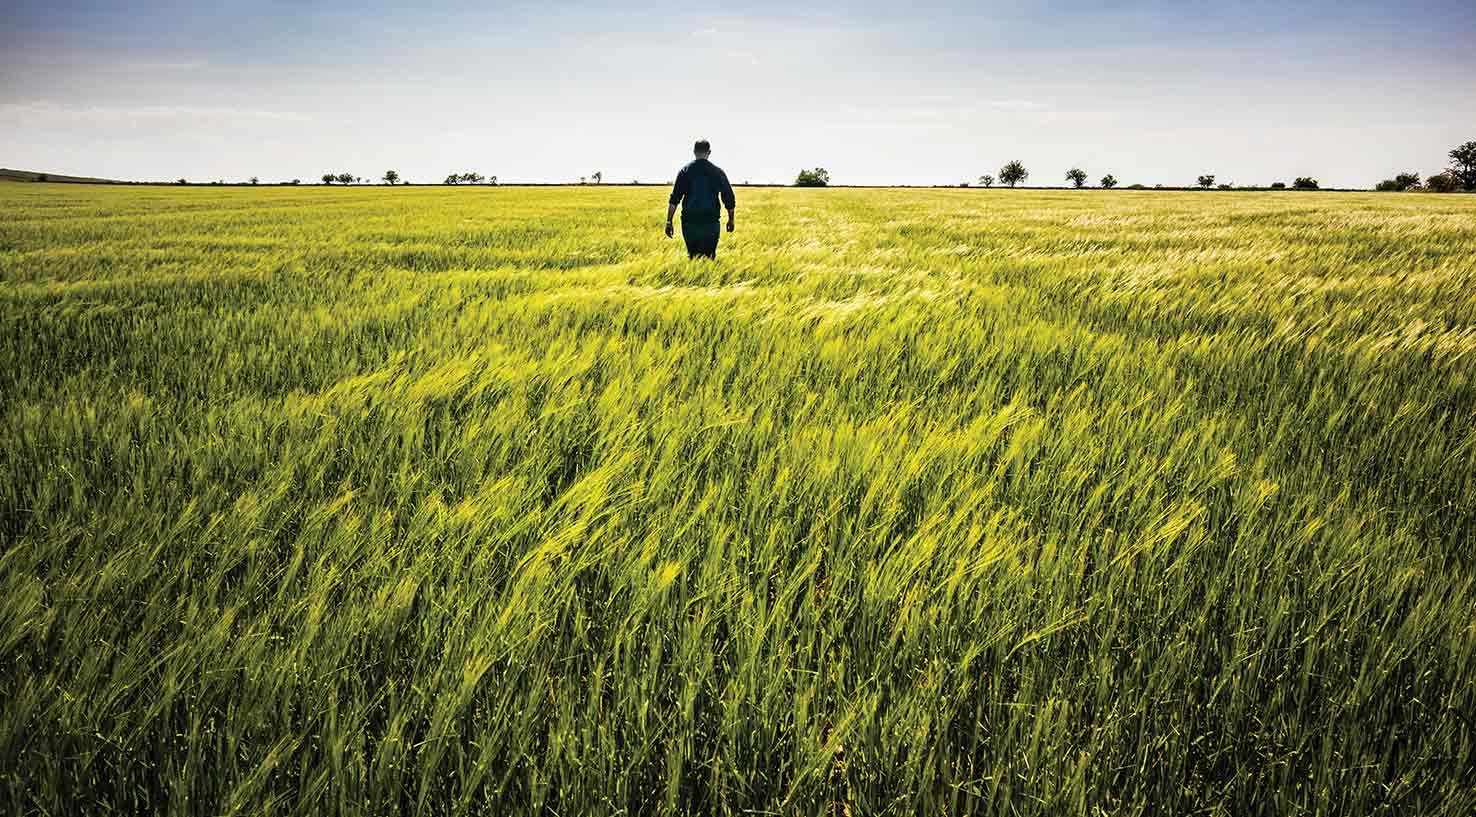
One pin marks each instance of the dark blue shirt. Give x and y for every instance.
(698, 188)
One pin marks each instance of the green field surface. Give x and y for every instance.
(488, 501)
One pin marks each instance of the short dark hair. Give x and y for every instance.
(702, 146)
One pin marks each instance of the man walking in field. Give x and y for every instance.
(698, 188)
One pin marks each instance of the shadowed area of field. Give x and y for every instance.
(434, 500)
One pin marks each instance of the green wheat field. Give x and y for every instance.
(488, 501)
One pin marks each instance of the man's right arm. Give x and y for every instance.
(679, 190)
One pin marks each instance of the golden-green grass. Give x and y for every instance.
(434, 501)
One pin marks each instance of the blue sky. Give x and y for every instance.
(918, 92)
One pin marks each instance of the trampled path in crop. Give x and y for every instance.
(487, 500)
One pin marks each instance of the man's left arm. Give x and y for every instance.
(729, 201)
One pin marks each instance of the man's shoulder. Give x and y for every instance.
(700, 163)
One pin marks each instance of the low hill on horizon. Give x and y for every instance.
(9, 175)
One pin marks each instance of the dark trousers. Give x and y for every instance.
(701, 240)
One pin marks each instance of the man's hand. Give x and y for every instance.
(730, 222)
(669, 230)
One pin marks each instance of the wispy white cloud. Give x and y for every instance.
(1031, 105)
(739, 54)
(161, 67)
(705, 32)
(45, 112)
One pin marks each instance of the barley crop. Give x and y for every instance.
(445, 501)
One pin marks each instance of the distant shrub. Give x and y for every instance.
(819, 177)
(1207, 181)
(1304, 183)
(986, 180)
(1400, 183)
(1227, 186)
(1137, 187)
(42, 177)
(1278, 185)
(1443, 182)
(1109, 181)
(255, 180)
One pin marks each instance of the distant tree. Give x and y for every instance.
(345, 178)
(492, 180)
(472, 177)
(597, 176)
(1227, 186)
(1013, 173)
(182, 181)
(1304, 183)
(391, 177)
(255, 180)
(819, 177)
(1207, 181)
(1077, 177)
(296, 181)
(1278, 185)
(1465, 165)
(581, 180)
(986, 180)
(42, 177)
(454, 178)
(1109, 181)
(1445, 181)
(329, 178)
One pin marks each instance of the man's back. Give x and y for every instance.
(702, 188)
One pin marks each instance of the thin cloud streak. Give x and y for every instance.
(162, 66)
(47, 113)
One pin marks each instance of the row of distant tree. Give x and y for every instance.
(1014, 173)
(470, 177)
(1461, 175)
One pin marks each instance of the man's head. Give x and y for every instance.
(702, 149)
